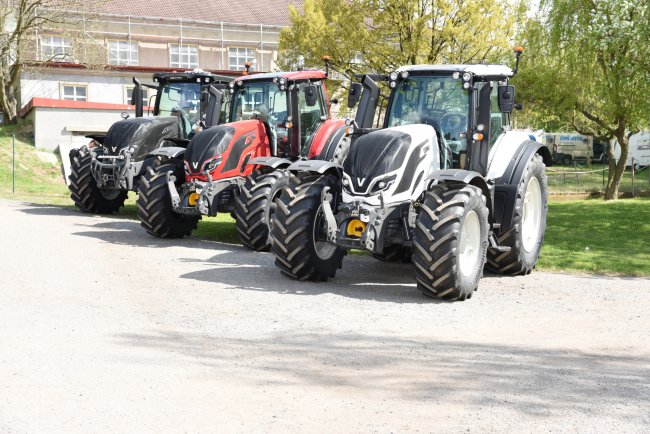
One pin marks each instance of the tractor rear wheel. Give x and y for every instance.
(451, 238)
(255, 206)
(83, 187)
(526, 235)
(155, 203)
(395, 253)
(298, 230)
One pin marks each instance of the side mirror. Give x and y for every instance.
(354, 95)
(506, 95)
(136, 97)
(310, 95)
(124, 115)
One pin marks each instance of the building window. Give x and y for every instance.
(128, 91)
(237, 57)
(75, 92)
(183, 56)
(122, 53)
(56, 48)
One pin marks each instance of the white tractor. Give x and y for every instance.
(445, 183)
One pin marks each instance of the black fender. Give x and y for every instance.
(506, 186)
(317, 166)
(168, 152)
(271, 162)
(99, 138)
(466, 177)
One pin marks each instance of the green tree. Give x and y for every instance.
(587, 67)
(381, 35)
(19, 22)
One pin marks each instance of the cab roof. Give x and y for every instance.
(480, 69)
(288, 75)
(184, 76)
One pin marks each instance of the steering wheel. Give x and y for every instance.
(453, 121)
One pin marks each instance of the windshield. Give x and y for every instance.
(261, 98)
(437, 101)
(253, 98)
(184, 97)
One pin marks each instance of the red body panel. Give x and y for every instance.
(322, 134)
(249, 141)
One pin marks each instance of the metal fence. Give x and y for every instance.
(592, 178)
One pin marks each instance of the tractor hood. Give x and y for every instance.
(142, 134)
(375, 154)
(221, 148)
(392, 160)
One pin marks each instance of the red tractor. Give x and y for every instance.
(274, 118)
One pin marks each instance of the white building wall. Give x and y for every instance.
(100, 88)
(64, 129)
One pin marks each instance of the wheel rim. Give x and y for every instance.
(110, 194)
(470, 243)
(323, 249)
(532, 214)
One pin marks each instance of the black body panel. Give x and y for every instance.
(142, 134)
(375, 154)
(208, 144)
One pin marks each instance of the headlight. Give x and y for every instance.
(467, 76)
(209, 166)
(383, 184)
(456, 75)
(231, 84)
(392, 84)
(466, 85)
(393, 76)
(405, 74)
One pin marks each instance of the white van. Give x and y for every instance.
(567, 147)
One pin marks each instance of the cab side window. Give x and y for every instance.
(310, 117)
(497, 120)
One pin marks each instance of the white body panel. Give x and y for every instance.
(430, 161)
(503, 151)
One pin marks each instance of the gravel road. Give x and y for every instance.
(105, 329)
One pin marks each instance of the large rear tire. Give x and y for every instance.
(450, 242)
(526, 235)
(297, 230)
(83, 188)
(255, 206)
(155, 203)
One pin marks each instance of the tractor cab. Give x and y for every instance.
(468, 106)
(180, 94)
(292, 105)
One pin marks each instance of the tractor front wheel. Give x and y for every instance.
(451, 238)
(155, 209)
(83, 188)
(255, 206)
(526, 235)
(298, 230)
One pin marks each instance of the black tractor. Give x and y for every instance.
(104, 171)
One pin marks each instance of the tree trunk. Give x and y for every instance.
(616, 168)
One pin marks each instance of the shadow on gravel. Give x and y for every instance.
(361, 277)
(538, 382)
(130, 233)
(58, 210)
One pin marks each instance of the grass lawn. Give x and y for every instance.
(598, 237)
(588, 236)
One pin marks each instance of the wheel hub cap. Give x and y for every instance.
(532, 215)
(470, 243)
